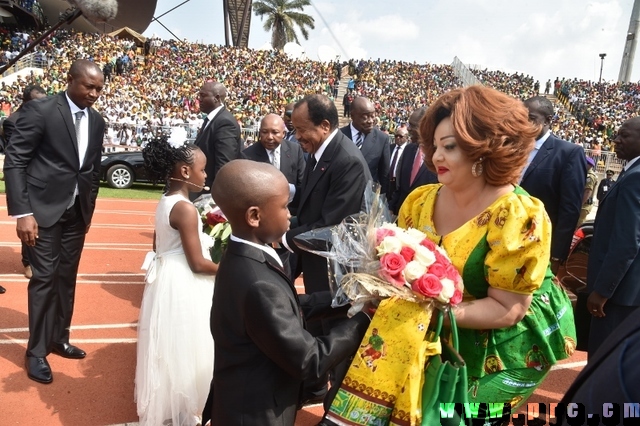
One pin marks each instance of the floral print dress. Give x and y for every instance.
(507, 247)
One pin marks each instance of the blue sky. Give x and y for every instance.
(543, 38)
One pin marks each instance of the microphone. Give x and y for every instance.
(206, 188)
(97, 10)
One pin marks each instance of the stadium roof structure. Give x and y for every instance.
(135, 14)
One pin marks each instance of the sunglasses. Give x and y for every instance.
(288, 113)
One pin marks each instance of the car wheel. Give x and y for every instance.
(120, 176)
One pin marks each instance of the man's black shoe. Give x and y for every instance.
(2, 289)
(66, 350)
(38, 369)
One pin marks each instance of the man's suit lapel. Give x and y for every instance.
(368, 143)
(315, 175)
(543, 153)
(65, 112)
(285, 158)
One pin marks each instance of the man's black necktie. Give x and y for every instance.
(394, 160)
(204, 124)
(311, 164)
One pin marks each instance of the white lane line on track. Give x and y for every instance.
(73, 341)
(569, 365)
(87, 282)
(78, 327)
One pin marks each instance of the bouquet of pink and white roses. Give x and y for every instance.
(371, 258)
(409, 259)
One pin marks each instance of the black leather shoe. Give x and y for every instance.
(38, 369)
(66, 350)
(2, 289)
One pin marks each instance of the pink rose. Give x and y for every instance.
(407, 253)
(381, 233)
(391, 267)
(441, 259)
(428, 244)
(452, 273)
(438, 270)
(456, 298)
(428, 285)
(392, 263)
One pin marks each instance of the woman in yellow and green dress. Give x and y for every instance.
(514, 321)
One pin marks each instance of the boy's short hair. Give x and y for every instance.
(241, 184)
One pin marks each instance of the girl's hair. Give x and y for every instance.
(487, 124)
(160, 158)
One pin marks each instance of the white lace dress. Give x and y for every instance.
(175, 348)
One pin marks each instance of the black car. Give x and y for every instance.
(121, 169)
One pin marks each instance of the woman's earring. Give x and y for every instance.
(477, 169)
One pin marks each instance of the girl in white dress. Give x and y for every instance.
(175, 348)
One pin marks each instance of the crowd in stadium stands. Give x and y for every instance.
(517, 85)
(157, 86)
(600, 108)
(398, 88)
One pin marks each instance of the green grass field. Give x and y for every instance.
(140, 191)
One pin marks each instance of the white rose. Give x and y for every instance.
(414, 270)
(407, 239)
(424, 256)
(395, 228)
(389, 245)
(448, 288)
(416, 234)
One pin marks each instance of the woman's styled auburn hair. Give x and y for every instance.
(487, 124)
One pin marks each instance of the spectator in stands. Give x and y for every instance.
(8, 126)
(555, 174)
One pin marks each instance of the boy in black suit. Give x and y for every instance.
(262, 351)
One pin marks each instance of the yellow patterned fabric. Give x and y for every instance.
(384, 382)
(507, 247)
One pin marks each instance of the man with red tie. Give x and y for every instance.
(411, 171)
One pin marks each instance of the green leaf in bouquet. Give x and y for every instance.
(226, 231)
(216, 251)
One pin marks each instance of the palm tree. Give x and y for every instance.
(281, 19)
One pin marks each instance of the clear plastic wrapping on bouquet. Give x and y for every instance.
(350, 250)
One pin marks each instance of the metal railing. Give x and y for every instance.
(136, 134)
(32, 60)
(464, 73)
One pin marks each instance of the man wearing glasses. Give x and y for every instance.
(401, 139)
(411, 172)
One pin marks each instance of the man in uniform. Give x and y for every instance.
(589, 187)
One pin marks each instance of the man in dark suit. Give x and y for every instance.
(333, 188)
(287, 157)
(373, 143)
(8, 126)
(411, 172)
(219, 136)
(262, 352)
(556, 176)
(612, 374)
(272, 148)
(401, 140)
(613, 272)
(52, 170)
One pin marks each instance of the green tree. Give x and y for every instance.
(282, 19)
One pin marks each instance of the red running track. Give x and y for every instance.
(98, 390)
